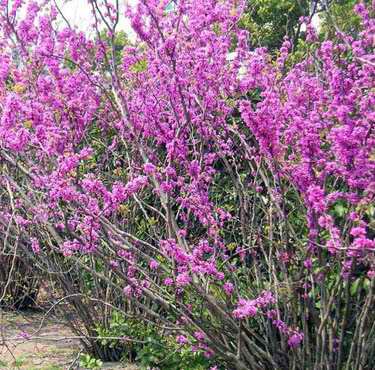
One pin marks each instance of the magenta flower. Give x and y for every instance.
(128, 291)
(228, 288)
(199, 335)
(308, 263)
(295, 339)
(153, 265)
(168, 281)
(24, 335)
(245, 309)
(149, 168)
(35, 245)
(181, 339)
(183, 279)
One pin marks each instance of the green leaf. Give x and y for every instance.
(340, 210)
(139, 66)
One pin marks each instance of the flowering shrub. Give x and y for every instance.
(229, 201)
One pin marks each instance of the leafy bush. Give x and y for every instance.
(145, 344)
(89, 362)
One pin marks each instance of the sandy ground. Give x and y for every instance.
(40, 351)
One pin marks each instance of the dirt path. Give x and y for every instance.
(51, 348)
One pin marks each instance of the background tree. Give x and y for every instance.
(269, 21)
(340, 15)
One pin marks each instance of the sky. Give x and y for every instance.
(78, 12)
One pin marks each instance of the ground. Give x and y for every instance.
(50, 348)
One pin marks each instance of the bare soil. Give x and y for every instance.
(29, 342)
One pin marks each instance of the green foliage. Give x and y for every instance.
(342, 16)
(119, 327)
(171, 358)
(145, 344)
(19, 361)
(140, 66)
(88, 281)
(269, 21)
(89, 362)
(119, 41)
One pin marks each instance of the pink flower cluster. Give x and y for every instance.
(249, 308)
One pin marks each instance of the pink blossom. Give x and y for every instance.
(228, 288)
(308, 263)
(168, 281)
(154, 265)
(183, 279)
(199, 335)
(181, 339)
(245, 309)
(128, 291)
(295, 339)
(149, 168)
(35, 245)
(371, 274)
